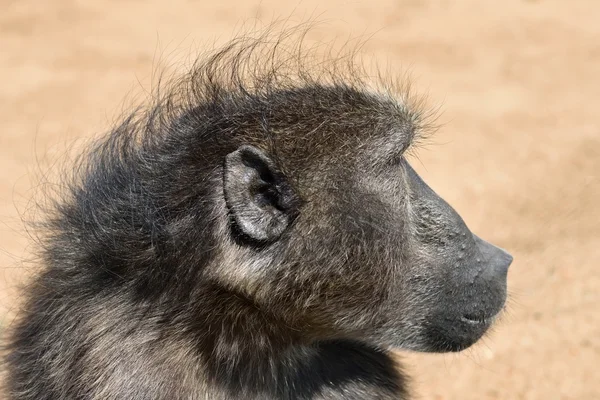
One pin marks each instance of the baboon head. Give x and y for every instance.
(291, 191)
(324, 224)
(335, 232)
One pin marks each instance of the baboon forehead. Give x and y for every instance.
(319, 121)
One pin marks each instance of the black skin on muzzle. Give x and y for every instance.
(473, 289)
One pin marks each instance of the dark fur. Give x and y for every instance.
(153, 290)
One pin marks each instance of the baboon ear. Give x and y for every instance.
(261, 202)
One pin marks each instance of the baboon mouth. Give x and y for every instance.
(479, 319)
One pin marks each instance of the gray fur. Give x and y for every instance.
(256, 233)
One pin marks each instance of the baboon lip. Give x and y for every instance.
(479, 319)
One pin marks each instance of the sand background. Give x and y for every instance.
(518, 153)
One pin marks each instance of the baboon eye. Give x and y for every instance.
(396, 159)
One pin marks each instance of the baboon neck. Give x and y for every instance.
(245, 348)
(253, 355)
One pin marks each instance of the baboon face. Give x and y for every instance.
(345, 240)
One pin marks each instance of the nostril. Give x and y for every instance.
(497, 256)
(509, 259)
(504, 259)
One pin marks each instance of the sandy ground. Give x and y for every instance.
(518, 153)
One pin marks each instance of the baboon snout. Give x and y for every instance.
(497, 259)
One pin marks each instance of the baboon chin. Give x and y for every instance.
(255, 233)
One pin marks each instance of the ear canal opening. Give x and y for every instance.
(261, 203)
(267, 195)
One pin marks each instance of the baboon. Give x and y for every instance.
(256, 232)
